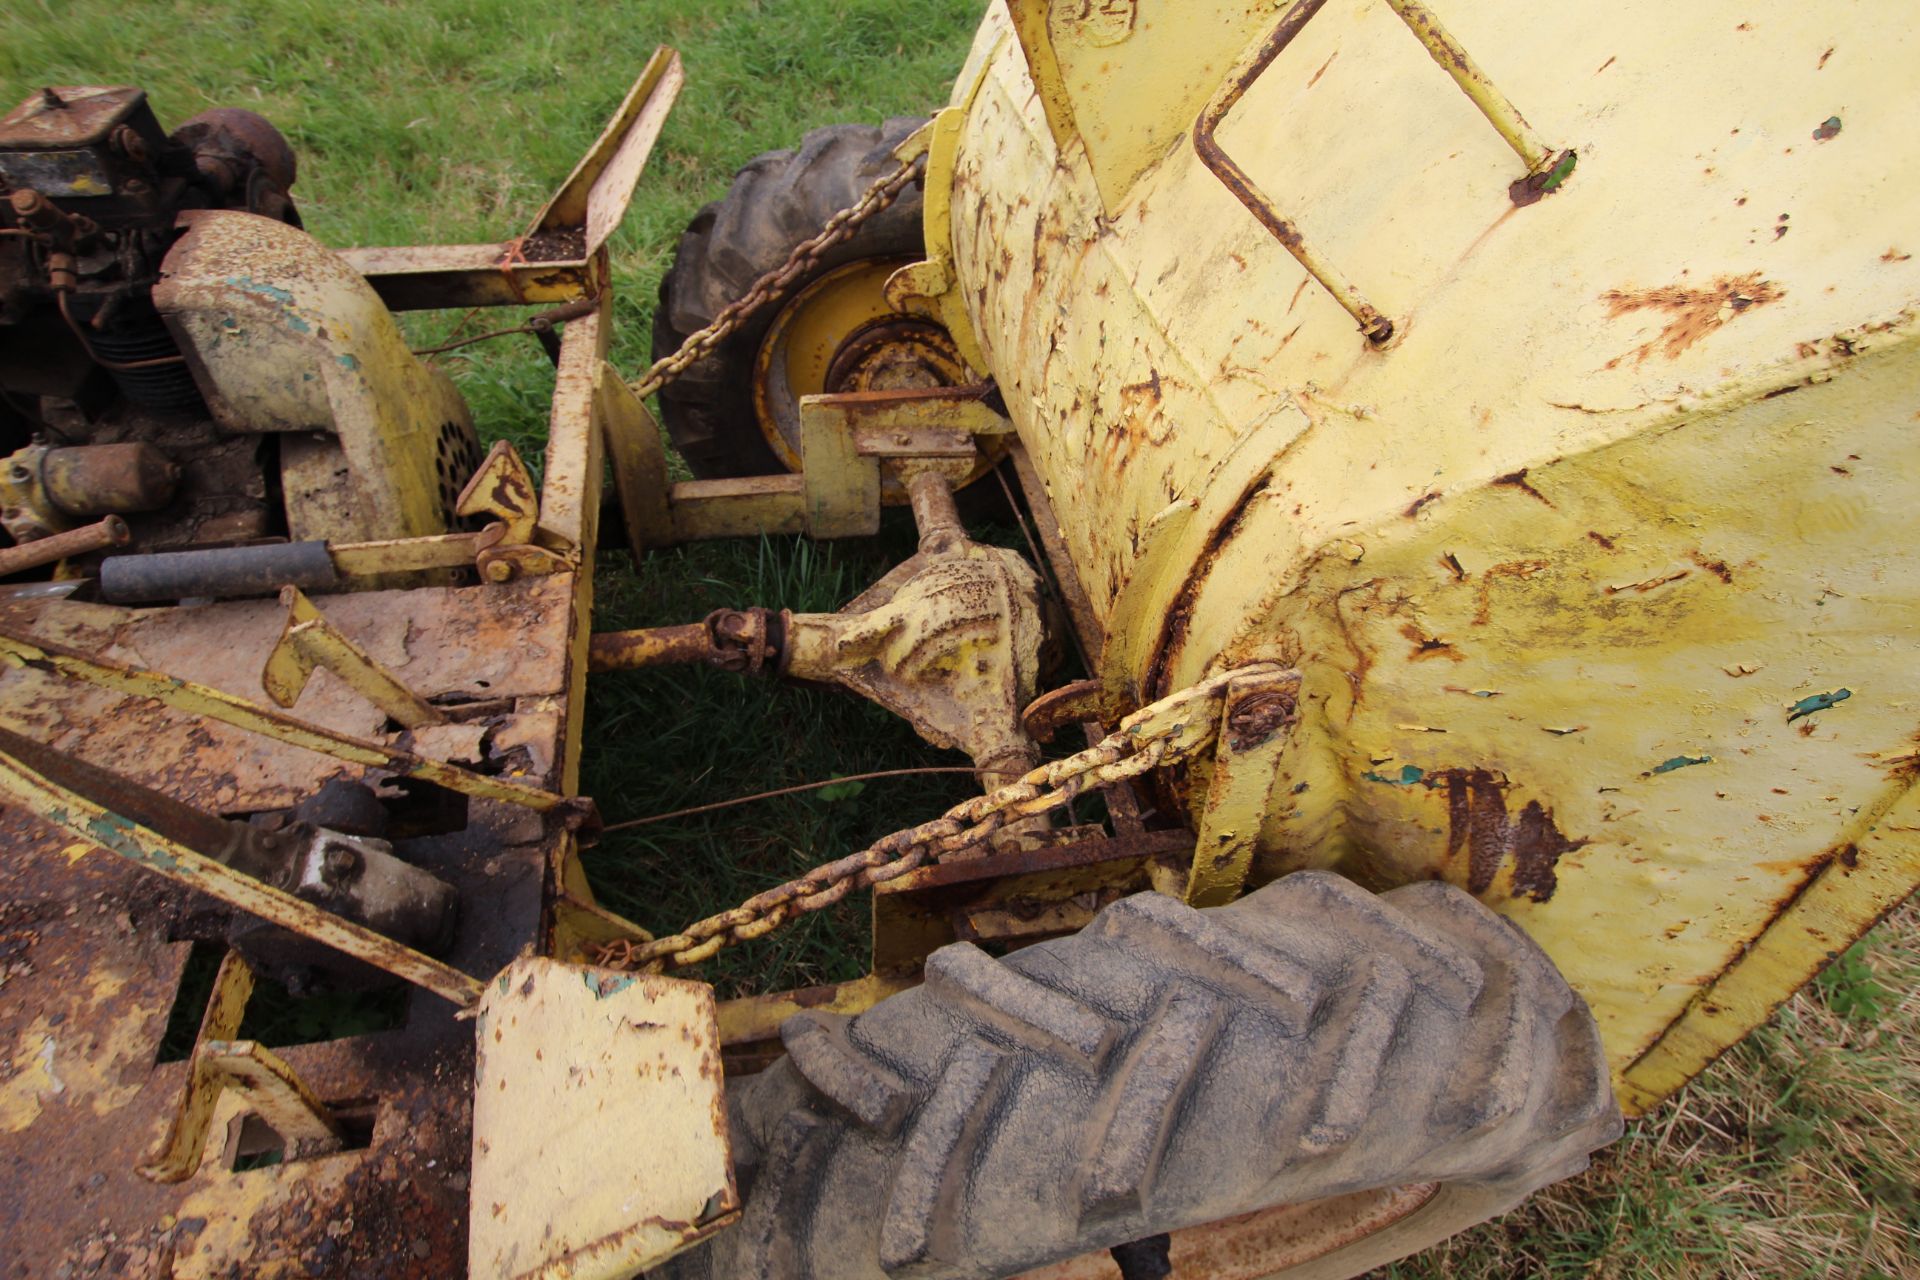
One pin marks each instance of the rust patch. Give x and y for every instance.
(1421, 501)
(1694, 313)
(1718, 568)
(1893, 254)
(1426, 646)
(1173, 632)
(1147, 392)
(1520, 570)
(1600, 538)
(1518, 480)
(1323, 69)
(1256, 718)
(1828, 128)
(1478, 821)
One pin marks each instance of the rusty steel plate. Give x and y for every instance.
(92, 948)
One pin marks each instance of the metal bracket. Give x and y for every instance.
(503, 489)
(853, 442)
(1257, 716)
(308, 640)
(271, 1089)
(558, 258)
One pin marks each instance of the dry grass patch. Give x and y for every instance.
(1795, 1155)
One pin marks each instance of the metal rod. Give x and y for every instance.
(934, 511)
(232, 844)
(119, 834)
(649, 647)
(215, 704)
(110, 532)
(1375, 326)
(1494, 105)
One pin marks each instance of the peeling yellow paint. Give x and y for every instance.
(1634, 463)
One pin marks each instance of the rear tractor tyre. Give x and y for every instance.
(1164, 1068)
(736, 412)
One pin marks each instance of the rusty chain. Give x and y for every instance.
(774, 284)
(1161, 733)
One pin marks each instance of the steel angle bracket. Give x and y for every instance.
(558, 258)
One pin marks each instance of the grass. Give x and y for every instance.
(1795, 1155)
(451, 120)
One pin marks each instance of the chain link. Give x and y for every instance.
(774, 284)
(1168, 730)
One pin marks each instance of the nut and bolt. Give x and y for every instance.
(340, 864)
(1258, 716)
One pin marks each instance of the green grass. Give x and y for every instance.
(1796, 1155)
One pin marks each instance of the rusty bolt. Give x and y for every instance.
(498, 571)
(340, 864)
(133, 187)
(1258, 716)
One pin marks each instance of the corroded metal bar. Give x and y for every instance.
(308, 640)
(148, 849)
(215, 704)
(222, 573)
(738, 508)
(1375, 326)
(935, 513)
(250, 850)
(1493, 104)
(179, 1153)
(111, 532)
(650, 647)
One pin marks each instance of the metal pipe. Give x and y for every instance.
(1494, 105)
(650, 647)
(739, 640)
(1376, 326)
(934, 511)
(108, 479)
(219, 572)
(110, 532)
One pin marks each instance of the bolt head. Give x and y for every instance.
(340, 864)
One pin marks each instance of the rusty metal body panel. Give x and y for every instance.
(89, 991)
(1597, 570)
(95, 1132)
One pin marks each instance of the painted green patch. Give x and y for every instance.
(273, 292)
(1408, 776)
(604, 987)
(1817, 702)
(1560, 172)
(1679, 762)
(114, 833)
